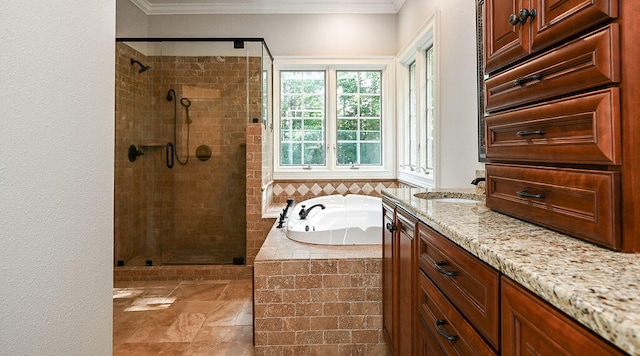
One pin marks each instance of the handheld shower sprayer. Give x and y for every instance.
(143, 68)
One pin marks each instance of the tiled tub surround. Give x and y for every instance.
(597, 287)
(317, 299)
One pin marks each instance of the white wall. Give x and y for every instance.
(457, 134)
(56, 177)
(291, 35)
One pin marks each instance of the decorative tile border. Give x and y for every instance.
(302, 190)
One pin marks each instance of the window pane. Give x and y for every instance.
(359, 117)
(313, 153)
(413, 124)
(370, 82)
(371, 124)
(347, 135)
(430, 124)
(370, 153)
(302, 118)
(347, 153)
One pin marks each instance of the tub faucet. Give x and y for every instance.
(304, 213)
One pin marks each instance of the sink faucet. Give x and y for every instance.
(304, 213)
(477, 180)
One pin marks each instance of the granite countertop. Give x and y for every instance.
(597, 287)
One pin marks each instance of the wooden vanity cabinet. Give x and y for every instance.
(530, 326)
(439, 299)
(399, 279)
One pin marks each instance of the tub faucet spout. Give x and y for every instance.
(304, 213)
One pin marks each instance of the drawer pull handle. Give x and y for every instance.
(439, 324)
(438, 265)
(526, 79)
(530, 133)
(524, 194)
(392, 227)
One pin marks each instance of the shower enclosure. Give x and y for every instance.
(181, 112)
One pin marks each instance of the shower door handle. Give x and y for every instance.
(169, 153)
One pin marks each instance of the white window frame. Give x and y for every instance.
(415, 51)
(331, 170)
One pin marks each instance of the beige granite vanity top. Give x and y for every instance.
(597, 287)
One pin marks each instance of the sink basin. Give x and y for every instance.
(453, 200)
(446, 197)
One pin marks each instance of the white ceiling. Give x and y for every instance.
(189, 7)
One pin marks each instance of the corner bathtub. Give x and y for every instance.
(346, 220)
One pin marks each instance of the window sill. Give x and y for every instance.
(419, 180)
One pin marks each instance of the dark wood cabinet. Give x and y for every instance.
(562, 108)
(399, 279)
(530, 326)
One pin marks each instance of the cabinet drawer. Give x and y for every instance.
(559, 20)
(470, 284)
(580, 129)
(454, 334)
(580, 203)
(588, 62)
(530, 326)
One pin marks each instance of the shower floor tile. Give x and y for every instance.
(183, 318)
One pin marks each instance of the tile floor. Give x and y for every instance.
(183, 318)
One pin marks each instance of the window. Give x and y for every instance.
(334, 119)
(417, 114)
(302, 120)
(359, 118)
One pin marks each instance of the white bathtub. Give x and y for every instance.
(346, 220)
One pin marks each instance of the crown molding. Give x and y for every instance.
(207, 7)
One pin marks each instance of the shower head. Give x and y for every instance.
(143, 68)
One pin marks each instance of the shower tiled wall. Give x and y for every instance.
(193, 213)
(131, 111)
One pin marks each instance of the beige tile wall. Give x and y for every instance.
(257, 226)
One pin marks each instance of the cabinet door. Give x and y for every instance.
(504, 42)
(530, 326)
(388, 271)
(406, 282)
